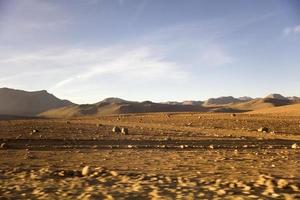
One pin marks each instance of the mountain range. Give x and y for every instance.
(23, 103)
(40, 103)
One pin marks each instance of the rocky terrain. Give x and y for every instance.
(223, 148)
(151, 156)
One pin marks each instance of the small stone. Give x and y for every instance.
(189, 124)
(221, 192)
(261, 180)
(263, 129)
(275, 195)
(211, 146)
(124, 131)
(116, 129)
(99, 125)
(86, 171)
(246, 188)
(212, 188)
(61, 173)
(295, 188)
(35, 131)
(114, 173)
(233, 115)
(282, 183)
(295, 146)
(4, 146)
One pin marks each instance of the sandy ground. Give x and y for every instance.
(164, 156)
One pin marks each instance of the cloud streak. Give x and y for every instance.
(74, 66)
(292, 30)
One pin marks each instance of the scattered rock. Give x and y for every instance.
(233, 115)
(116, 129)
(221, 192)
(124, 131)
(4, 146)
(35, 131)
(295, 146)
(189, 124)
(86, 171)
(99, 125)
(282, 183)
(295, 188)
(114, 173)
(263, 129)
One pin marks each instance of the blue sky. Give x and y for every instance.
(87, 50)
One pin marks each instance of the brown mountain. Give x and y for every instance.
(119, 107)
(23, 103)
(276, 96)
(41, 103)
(270, 101)
(223, 101)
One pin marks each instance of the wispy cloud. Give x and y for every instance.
(292, 30)
(72, 66)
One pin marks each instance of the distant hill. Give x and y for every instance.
(222, 101)
(295, 99)
(293, 109)
(276, 96)
(110, 108)
(272, 100)
(114, 100)
(192, 102)
(22, 103)
(187, 102)
(19, 103)
(260, 104)
(245, 98)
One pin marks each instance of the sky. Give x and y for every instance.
(170, 50)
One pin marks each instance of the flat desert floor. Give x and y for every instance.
(163, 156)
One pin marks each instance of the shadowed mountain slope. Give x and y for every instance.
(223, 101)
(41, 103)
(106, 108)
(23, 103)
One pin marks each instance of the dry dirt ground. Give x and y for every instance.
(164, 156)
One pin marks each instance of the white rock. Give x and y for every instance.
(86, 171)
(295, 146)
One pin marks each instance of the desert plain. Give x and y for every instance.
(188, 155)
